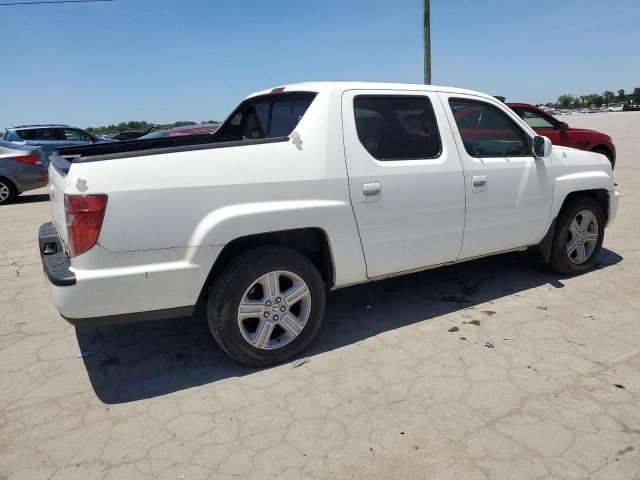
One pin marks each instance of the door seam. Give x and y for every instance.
(464, 177)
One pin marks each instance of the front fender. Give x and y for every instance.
(577, 182)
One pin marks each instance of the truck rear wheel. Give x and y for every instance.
(578, 236)
(266, 305)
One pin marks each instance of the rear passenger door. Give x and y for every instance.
(509, 191)
(405, 179)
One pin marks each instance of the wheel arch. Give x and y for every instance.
(607, 151)
(600, 195)
(312, 242)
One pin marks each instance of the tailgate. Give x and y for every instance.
(58, 170)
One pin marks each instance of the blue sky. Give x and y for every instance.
(168, 60)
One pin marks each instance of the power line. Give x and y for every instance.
(10, 4)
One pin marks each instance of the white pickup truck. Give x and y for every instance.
(307, 188)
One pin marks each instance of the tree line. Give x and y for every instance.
(597, 100)
(141, 126)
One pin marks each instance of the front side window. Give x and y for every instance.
(394, 127)
(487, 131)
(267, 116)
(534, 119)
(73, 135)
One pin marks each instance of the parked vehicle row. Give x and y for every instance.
(50, 137)
(305, 188)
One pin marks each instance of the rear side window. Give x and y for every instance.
(42, 134)
(397, 127)
(486, 131)
(267, 116)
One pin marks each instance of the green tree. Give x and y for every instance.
(608, 97)
(621, 95)
(566, 101)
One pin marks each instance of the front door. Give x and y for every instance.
(509, 192)
(405, 179)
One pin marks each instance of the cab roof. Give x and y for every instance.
(340, 86)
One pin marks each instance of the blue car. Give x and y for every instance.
(50, 137)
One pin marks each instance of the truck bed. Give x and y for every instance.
(156, 146)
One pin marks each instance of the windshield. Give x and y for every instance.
(157, 134)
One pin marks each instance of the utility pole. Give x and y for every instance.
(427, 42)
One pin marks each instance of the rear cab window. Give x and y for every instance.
(266, 116)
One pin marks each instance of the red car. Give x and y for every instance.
(562, 134)
(202, 129)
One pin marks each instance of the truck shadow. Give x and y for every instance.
(131, 362)
(26, 198)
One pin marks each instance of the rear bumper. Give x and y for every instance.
(139, 286)
(55, 262)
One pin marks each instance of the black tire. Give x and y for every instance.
(228, 290)
(13, 192)
(606, 153)
(559, 259)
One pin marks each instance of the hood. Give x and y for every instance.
(571, 161)
(589, 132)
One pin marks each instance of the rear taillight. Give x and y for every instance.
(28, 159)
(84, 214)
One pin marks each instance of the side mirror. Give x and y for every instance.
(541, 146)
(563, 126)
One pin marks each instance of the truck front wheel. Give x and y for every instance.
(266, 305)
(578, 236)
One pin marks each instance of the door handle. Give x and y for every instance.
(371, 189)
(479, 180)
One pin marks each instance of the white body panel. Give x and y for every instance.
(169, 216)
(513, 207)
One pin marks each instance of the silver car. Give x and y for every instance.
(22, 168)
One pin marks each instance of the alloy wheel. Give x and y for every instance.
(274, 310)
(583, 237)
